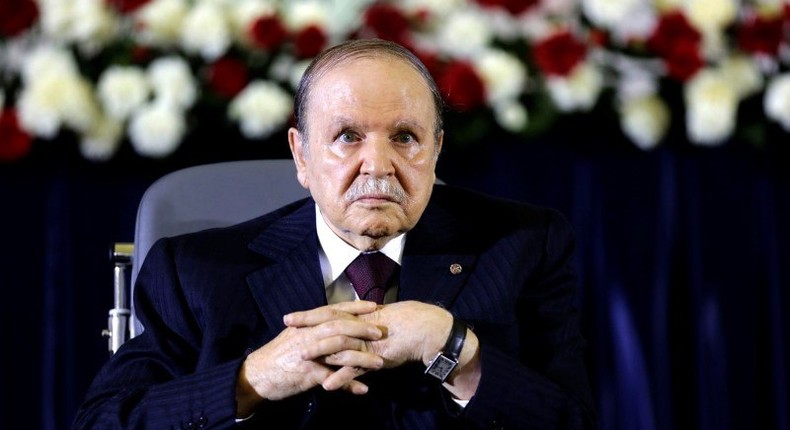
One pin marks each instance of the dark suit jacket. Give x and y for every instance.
(207, 299)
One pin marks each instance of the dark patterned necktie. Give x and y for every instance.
(370, 274)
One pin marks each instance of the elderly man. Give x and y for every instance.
(384, 301)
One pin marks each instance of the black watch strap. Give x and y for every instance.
(447, 359)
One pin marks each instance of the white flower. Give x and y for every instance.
(52, 101)
(711, 15)
(609, 13)
(173, 82)
(55, 17)
(156, 129)
(464, 32)
(159, 21)
(103, 140)
(261, 108)
(711, 108)
(297, 70)
(511, 115)
(579, 91)
(122, 90)
(777, 100)
(47, 60)
(645, 120)
(206, 31)
(300, 14)
(92, 22)
(744, 74)
(503, 74)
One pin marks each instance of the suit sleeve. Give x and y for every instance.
(546, 386)
(153, 381)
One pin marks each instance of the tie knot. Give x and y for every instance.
(370, 275)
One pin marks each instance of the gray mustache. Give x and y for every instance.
(375, 186)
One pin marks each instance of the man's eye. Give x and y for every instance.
(405, 138)
(347, 137)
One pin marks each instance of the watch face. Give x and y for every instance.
(441, 367)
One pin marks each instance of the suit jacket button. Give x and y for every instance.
(189, 426)
(202, 421)
(310, 407)
(494, 425)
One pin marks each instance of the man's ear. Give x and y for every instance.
(297, 151)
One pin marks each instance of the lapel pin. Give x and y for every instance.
(455, 268)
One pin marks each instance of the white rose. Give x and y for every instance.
(464, 32)
(78, 105)
(103, 140)
(156, 129)
(744, 74)
(47, 60)
(261, 108)
(645, 120)
(173, 82)
(52, 101)
(301, 14)
(160, 21)
(608, 13)
(511, 115)
(579, 91)
(206, 31)
(55, 17)
(38, 107)
(122, 90)
(711, 108)
(711, 15)
(777, 100)
(92, 22)
(503, 74)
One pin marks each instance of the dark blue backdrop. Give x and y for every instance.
(682, 257)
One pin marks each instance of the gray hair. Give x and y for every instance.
(352, 50)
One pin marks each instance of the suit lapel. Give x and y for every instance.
(435, 265)
(291, 278)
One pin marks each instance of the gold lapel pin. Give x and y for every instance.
(455, 268)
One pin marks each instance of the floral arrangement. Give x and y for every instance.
(136, 71)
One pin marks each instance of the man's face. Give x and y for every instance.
(370, 160)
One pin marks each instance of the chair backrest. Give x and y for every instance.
(206, 196)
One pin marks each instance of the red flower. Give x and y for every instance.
(761, 35)
(515, 7)
(461, 86)
(268, 32)
(126, 6)
(14, 142)
(310, 41)
(387, 22)
(228, 76)
(559, 53)
(677, 42)
(16, 16)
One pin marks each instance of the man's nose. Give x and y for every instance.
(378, 156)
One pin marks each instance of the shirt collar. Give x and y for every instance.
(337, 254)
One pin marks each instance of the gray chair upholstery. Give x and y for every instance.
(211, 195)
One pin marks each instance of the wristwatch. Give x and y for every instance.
(446, 360)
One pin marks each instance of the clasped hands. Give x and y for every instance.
(333, 345)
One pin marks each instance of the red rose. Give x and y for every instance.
(761, 35)
(461, 86)
(310, 41)
(228, 76)
(126, 6)
(677, 42)
(16, 16)
(683, 62)
(268, 32)
(559, 53)
(14, 142)
(515, 7)
(387, 22)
